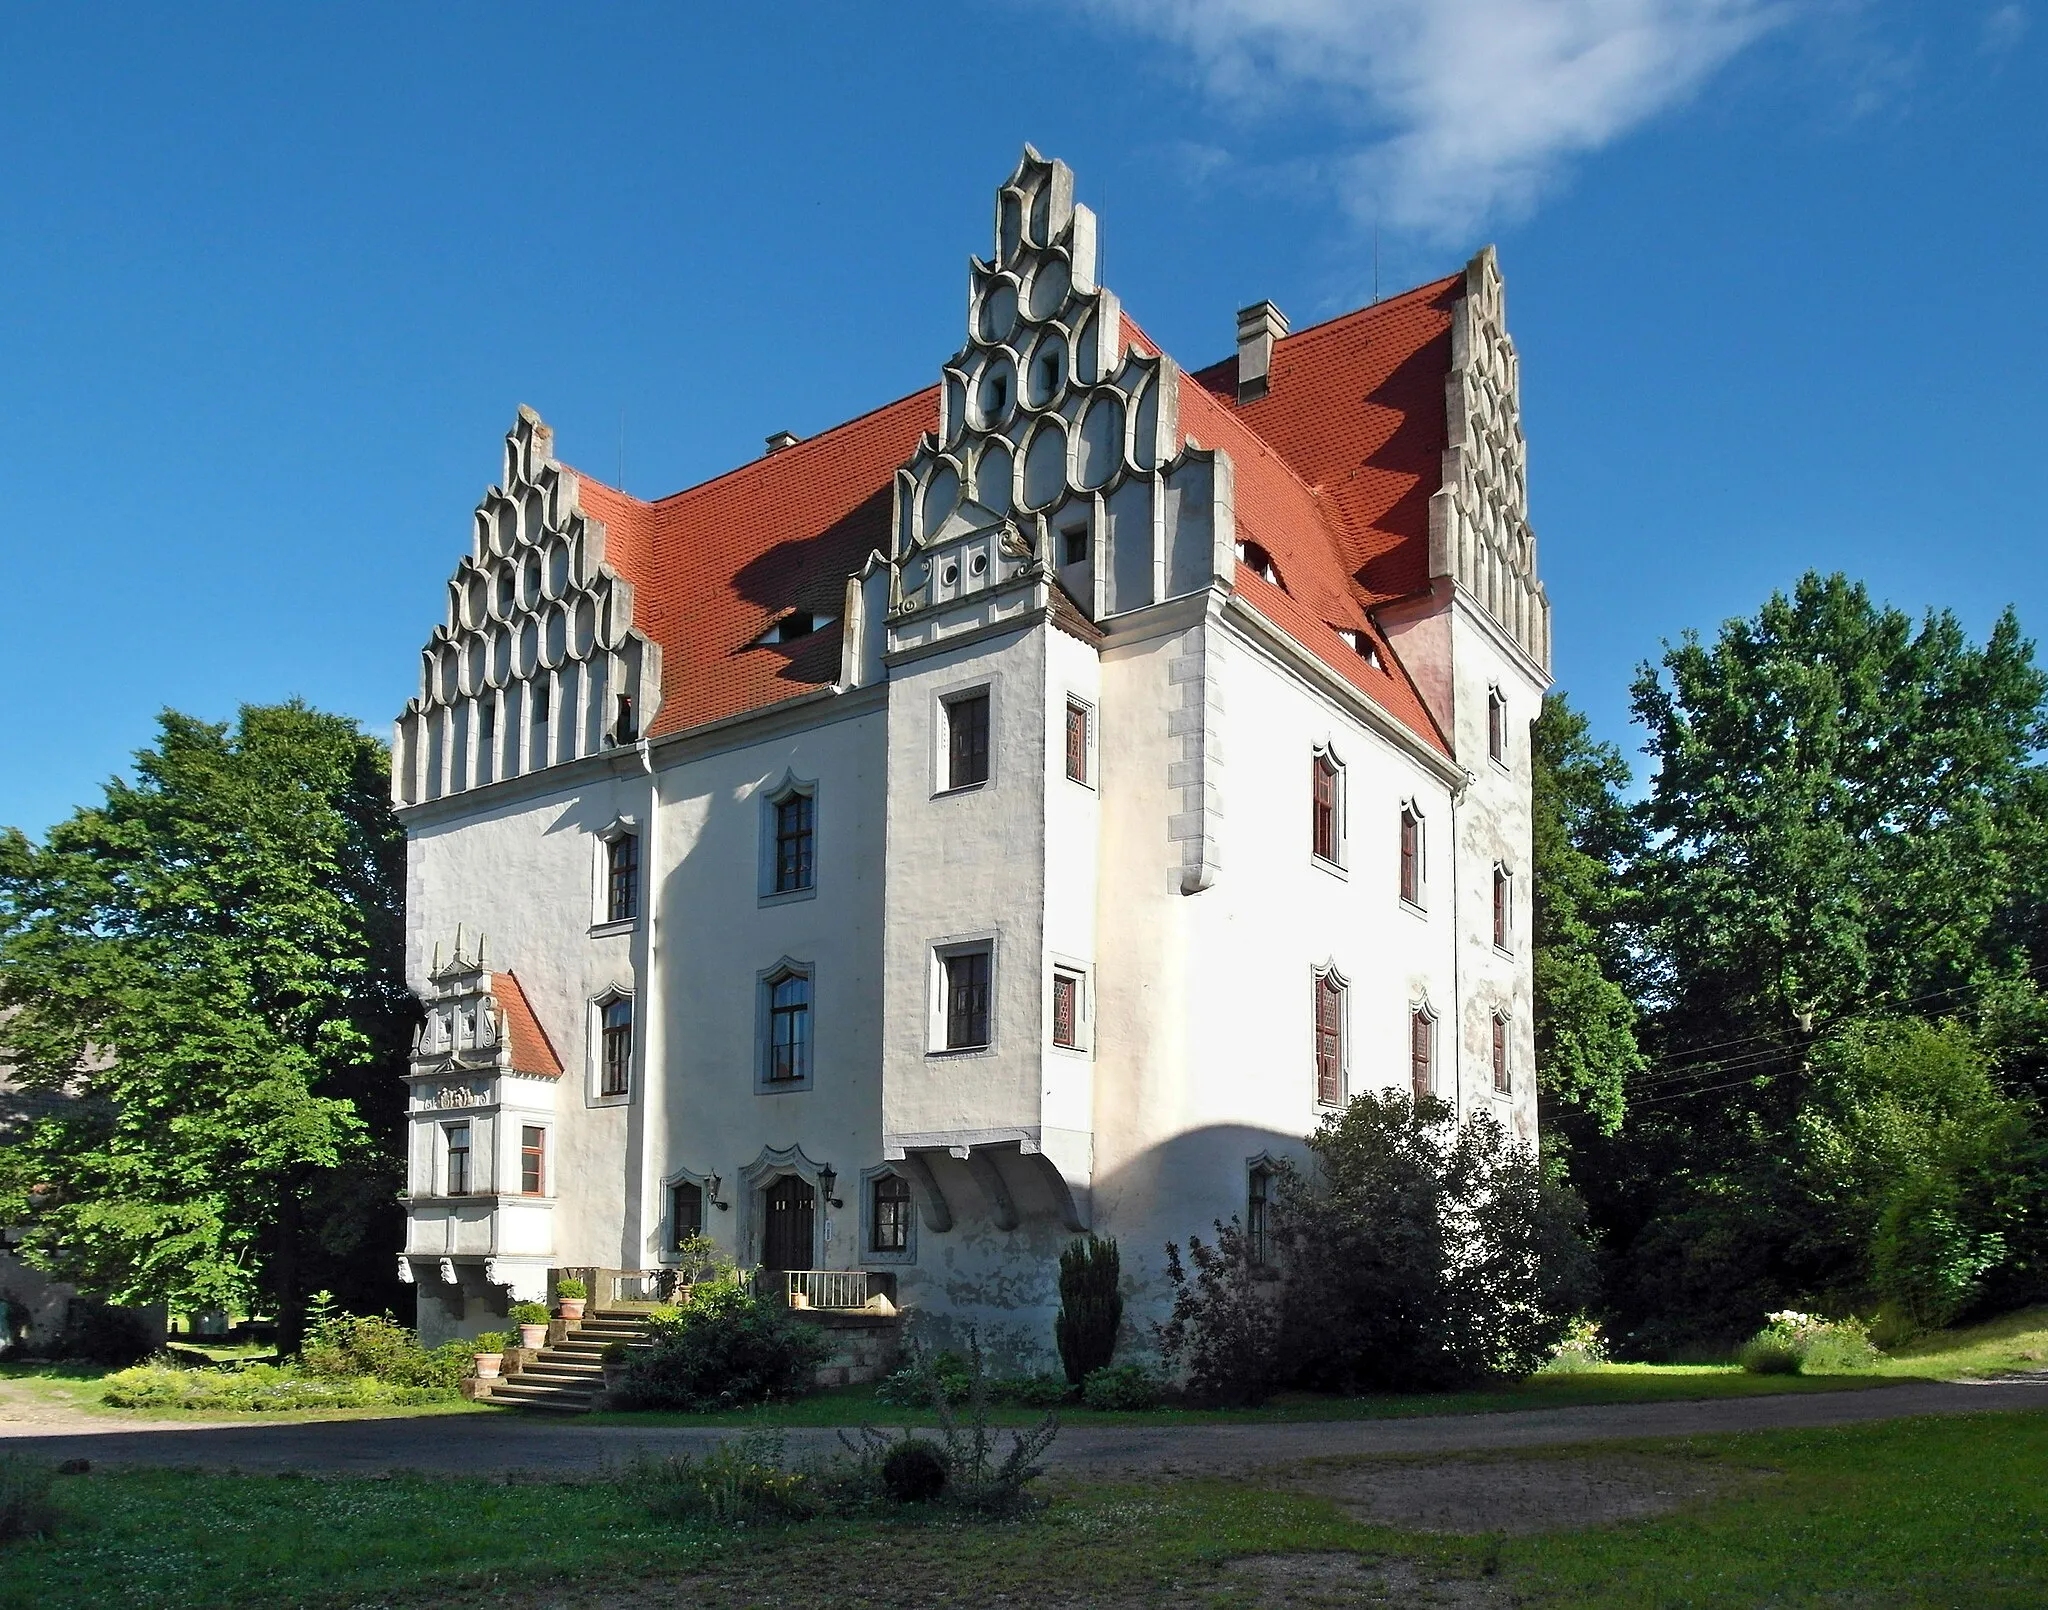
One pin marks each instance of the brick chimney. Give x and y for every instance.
(1258, 327)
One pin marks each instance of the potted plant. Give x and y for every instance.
(490, 1354)
(570, 1295)
(532, 1320)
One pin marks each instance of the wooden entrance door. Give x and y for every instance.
(791, 1205)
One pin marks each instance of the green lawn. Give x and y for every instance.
(1916, 1512)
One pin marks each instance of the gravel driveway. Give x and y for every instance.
(474, 1445)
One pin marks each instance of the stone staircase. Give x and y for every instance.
(566, 1377)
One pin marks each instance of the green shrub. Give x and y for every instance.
(1031, 1391)
(741, 1482)
(1091, 1307)
(911, 1387)
(913, 1472)
(1582, 1350)
(572, 1290)
(1800, 1344)
(1120, 1387)
(1223, 1333)
(720, 1348)
(349, 1347)
(257, 1389)
(1430, 1252)
(977, 1477)
(528, 1314)
(26, 1507)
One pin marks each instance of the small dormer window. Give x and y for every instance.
(796, 624)
(1255, 558)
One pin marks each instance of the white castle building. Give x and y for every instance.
(1024, 809)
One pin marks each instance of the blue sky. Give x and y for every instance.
(276, 278)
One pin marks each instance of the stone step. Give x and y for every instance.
(550, 1369)
(512, 1391)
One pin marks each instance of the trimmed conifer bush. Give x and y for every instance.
(1091, 1307)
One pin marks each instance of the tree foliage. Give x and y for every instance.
(207, 969)
(1832, 915)
(1091, 1307)
(1582, 839)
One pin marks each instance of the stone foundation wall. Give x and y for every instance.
(865, 1347)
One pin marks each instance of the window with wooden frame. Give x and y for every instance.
(1066, 1009)
(1258, 1216)
(1325, 823)
(795, 829)
(789, 1028)
(967, 739)
(615, 1046)
(1496, 726)
(1503, 1081)
(1077, 741)
(685, 1213)
(1421, 1050)
(622, 878)
(889, 1213)
(1503, 907)
(1411, 855)
(455, 1160)
(533, 1160)
(967, 975)
(1329, 1021)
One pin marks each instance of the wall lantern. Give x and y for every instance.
(828, 1178)
(712, 1186)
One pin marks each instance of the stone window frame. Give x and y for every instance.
(764, 991)
(1323, 756)
(546, 1131)
(674, 1178)
(1258, 1228)
(1413, 815)
(602, 923)
(988, 685)
(594, 1091)
(1090, 747)
(936, 1012)
(1324, 976)
(1422, 1014)
(788, 787)
(1084, 1006)
(1502, 1069)
(1497, 727)
(1501, 916)
(868, 1253)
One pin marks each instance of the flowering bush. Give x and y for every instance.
(1792, 1343)
(1582, 1349)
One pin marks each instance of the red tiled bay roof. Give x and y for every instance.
(532, 1051)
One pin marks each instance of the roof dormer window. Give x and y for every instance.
(797, 623)
(1255, 558)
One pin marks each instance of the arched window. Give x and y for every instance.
(1411, 855)
(615, 1046)
(889, 1213)
(622, 878)
(1326, 819)
(1503, 1074)
(1503, 907)
(789, 1028)
(1496, 726)
(1421, 1050)
(1258, 1215)
(1329, 1003)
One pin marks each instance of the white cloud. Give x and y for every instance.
(2004, 27)
(1467, 109)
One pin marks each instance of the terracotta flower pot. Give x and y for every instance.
(487, 1365)
(535, 1336)
(570, 1307)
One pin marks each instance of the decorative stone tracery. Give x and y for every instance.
(1479, 520)
(538, 661)
(1058, 453)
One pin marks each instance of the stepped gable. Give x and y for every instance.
(532, 1052)
(1356, 407)
(715, 566)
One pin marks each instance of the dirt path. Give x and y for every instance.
(497, 1443)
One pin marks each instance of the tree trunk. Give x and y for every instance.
(291, 1302)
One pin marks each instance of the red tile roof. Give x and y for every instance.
(1335, 469)
(1356, 406)
(532, 1052)
(711, 568)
